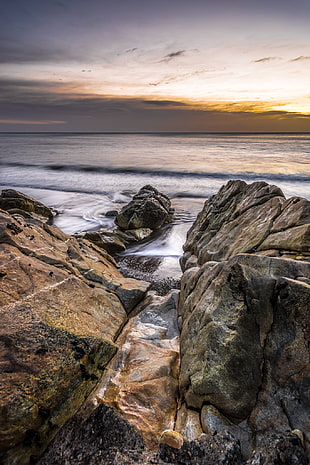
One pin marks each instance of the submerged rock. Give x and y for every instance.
(148, 209)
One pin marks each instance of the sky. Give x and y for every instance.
(151, 66)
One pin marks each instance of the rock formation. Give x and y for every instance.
(63, 303)
(107, 372)
(244, 305)
(148, 211)
(17, 202)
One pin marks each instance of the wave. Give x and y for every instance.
(246, 175)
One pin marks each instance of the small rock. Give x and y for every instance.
(171, 438)
(111, 213)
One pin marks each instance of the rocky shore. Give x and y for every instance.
(98, 368)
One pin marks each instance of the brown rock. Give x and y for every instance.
(61, 310)
(188, 423)
(14, 200)
(142, 380)
(172, 439)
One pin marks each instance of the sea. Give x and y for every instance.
(84, 175)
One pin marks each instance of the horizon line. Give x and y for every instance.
(154, 132)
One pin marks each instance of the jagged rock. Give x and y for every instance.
(148, 209)
(244, 342)
(63, 303)
(14, 200)
(245, 317)
(142, 379)
(253, 218)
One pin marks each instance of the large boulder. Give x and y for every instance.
(63, 303)
(12, 200)
(244, 307)
(148, 209)
(253, 218)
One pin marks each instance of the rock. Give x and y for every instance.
(108, 241)
(111, 213)
(148, 209)
(63, 304)
(172, 439)
(141, 381)
(13, 200)
(117, 241)
(213, 422)
(188, 423)
(254, 218)
(222, 449)
(245, 327)
(104, 437)
(275, 449)
(139, 234)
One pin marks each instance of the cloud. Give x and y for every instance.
(56, 106)
(300, 58)
(14, 121)
(177, 77)
(131, 50)
(25, 53)
(266, 59)
(172, 55)
(164, 103)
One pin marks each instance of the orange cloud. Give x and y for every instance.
(13, 121)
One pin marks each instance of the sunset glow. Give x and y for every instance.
(83, 64)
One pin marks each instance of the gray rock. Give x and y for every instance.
(148, 209)
(253, 218)
(245, 304)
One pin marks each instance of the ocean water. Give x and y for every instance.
(84, 175)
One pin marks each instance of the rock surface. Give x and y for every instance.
(245, 316)
(148, 209)
(141, 382)
(75, 329)
(105, 438)
(253, 218)
(12, 200)
(63, 304)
